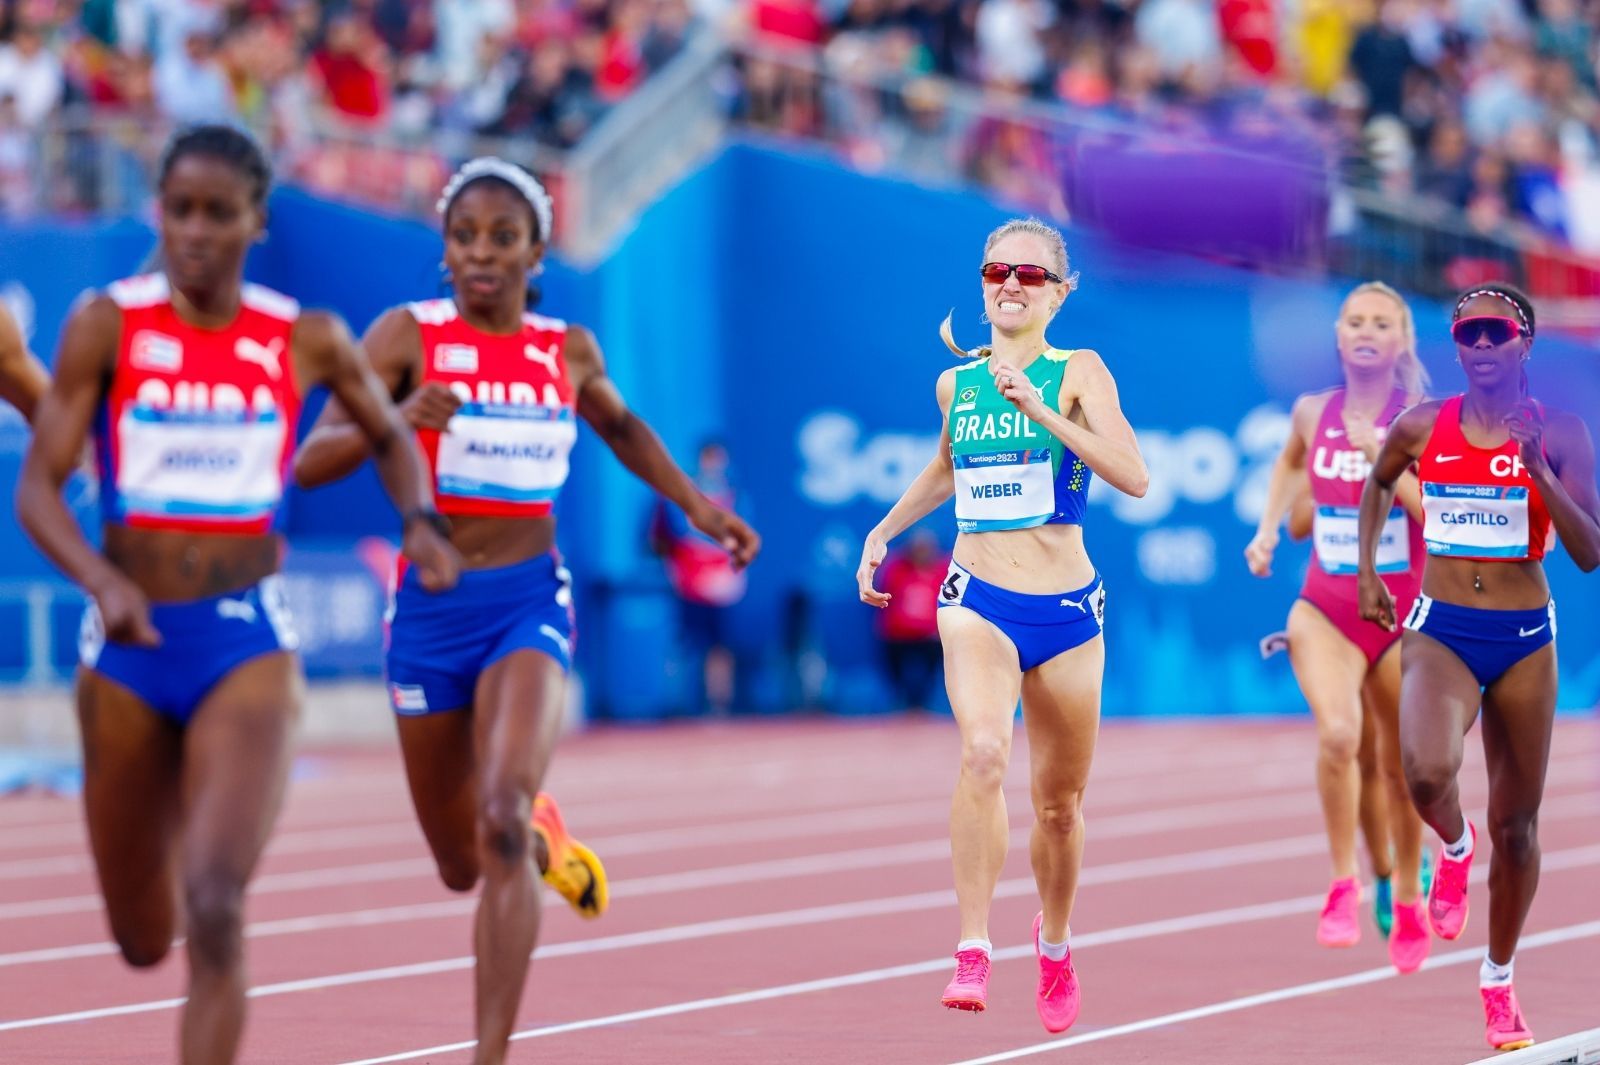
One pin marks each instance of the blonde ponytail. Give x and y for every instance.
(948, 336)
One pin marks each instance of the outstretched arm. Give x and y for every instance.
(326, 354)
(23, 379)
(88, 354)
(1284, 488)
(934, 485)
(1107, 445)
(638, 448)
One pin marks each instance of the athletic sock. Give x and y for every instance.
(1461, 848)
(1492, 974)
(976, 944)
(1053, 951)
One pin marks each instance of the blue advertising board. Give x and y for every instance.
(789, 307)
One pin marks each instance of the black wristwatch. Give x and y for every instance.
(440, 523)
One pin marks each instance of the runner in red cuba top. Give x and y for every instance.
(477, 675)
(505, 454)
(189, 688)
(1499, 472)
(196, 430)
(1349, 669)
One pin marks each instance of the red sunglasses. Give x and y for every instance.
(1027, 274)
(1497, 329)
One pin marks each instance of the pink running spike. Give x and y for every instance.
(1340, 925)
(1447, 901)
(969, 988)
(1504, 1028)
(1058, 997)
(1409, 940)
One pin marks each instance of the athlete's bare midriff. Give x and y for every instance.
(1043, 560)
(177, 567)
(1486, 585)
(490, 542)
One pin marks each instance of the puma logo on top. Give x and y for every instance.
(545, 357)
(268, 356)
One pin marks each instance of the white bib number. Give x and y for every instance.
(199, 465)
(507, 454)
(1476, 520)
(1004, 490)
(1338, 539)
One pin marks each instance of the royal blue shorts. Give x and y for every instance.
(439, 643)
(201, 643)
(1489, 642)
(1039, 626)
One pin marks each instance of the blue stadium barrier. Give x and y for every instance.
(789, 306)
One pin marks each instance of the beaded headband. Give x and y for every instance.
(525, 184)
(1515, 306)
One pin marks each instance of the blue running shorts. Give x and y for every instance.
(1489, 642)
(439, 643)
(1039, 626)
(201, 643)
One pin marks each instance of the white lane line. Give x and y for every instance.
(611, 810)
(1224, 918)
(1196, 861)
(788, 824)
(752, 872)
(1115, 826)
(1569, 934)
(1554, 862)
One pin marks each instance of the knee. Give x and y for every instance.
(1060, 814)
(1339, 744)
(1428, 781)
(215, 906)
(503, 827)
(984, 760)
(142, 950)
(1515, 838)
(459, 874)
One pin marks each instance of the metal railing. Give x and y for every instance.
(42, 617)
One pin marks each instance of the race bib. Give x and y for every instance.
(1336, 532)
(199, 464)
(1476, 520)
(510, 454)
(1004, 490)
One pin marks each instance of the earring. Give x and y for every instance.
(984, 318)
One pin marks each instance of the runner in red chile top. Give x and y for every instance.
(478, 674)
(189, 688)
(1498, 471)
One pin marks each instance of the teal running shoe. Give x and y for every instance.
(1383, 905)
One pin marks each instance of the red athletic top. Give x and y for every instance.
(1338, 470)
(196, 430)
(1479, 502)
(506, 451)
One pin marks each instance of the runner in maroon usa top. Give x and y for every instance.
(189, 689)
(1345, 665)
(1498, 471)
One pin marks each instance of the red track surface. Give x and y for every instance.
(781, 892)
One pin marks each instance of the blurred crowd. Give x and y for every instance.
(1488, 106)
(413, 70)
